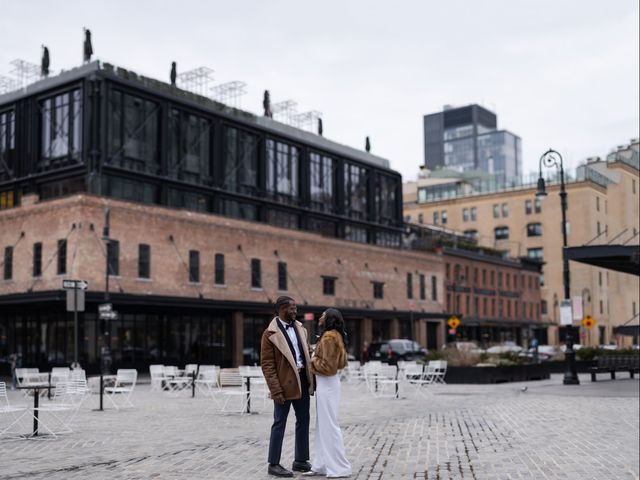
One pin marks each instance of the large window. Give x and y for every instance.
(534, 230)
(501, 233)
(194, 266)
(62, 256)
(240, 161)
(321, 172)
(537, 253)
(282, 276)
(127, 189)
(189, 149)
(61, 119)
(7, 144)
(283, 164)
(144, 261)
(355, 234)
(133, 132)
(37, 259)
(355, 191)
(329, 285)
(113, 257)
(8, 263)
(256, 273)
(219, 269)
(385, 199)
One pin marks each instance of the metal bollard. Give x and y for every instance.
(193, 384)
(101, 391)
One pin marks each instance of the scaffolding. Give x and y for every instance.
(307, 120)
(285, 111)
(196, 81)
(229, 93)
(24, 72)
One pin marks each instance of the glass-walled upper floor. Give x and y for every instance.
(135, 145)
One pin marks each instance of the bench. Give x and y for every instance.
(615, 363)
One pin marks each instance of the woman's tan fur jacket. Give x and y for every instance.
(330, 354)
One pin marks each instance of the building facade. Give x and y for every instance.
(602, 208)
(468, 139)
(213, 213)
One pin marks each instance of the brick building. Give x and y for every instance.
(214, 212)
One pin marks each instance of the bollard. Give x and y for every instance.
(101, 391)
(193, 384)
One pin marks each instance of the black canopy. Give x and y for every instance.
(620, 258)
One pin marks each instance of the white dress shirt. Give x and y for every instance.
(291, 333)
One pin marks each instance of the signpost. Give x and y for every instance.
(577, 307)
(75, 303)
(453, 322)
(565, 313)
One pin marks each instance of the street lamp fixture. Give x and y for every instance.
(551, 158)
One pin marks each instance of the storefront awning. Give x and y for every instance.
(620, 258)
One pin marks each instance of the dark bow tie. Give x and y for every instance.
(287, 326)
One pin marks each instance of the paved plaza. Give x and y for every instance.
(548, 431)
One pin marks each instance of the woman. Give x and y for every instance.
(329, 357)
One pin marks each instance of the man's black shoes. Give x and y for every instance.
(279, 471)
(301, 466)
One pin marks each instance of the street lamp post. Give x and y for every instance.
(551, 158)
(106, 347)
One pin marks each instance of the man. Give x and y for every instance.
(285, 362)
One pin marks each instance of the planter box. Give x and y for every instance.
(512, 373)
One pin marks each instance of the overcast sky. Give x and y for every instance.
(560, 74)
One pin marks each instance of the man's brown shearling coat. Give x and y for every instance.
(279, 366)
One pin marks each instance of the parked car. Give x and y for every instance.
(545, 353)
(576, 346)
(504, 348)
(471, 347)
(391, 351)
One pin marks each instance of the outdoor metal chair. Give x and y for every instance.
(123, 388)
(13, 413)
(232, 386)
(436, 371)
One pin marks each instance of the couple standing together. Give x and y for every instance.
(289, 371)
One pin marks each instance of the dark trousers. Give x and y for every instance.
(280, 414)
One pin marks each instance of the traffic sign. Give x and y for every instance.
(73, 284)
(588, 321)
(105, 307)
(108, 315)
(75, 300)
(565, 312)
(453, 322)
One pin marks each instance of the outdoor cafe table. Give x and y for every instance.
(36, 387)
(248, 376)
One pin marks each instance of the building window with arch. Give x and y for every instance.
(534, 230)
(528, 207)
(465, 214)
(474, 214)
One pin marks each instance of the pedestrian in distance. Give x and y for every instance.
(286, 364)
(329, 357)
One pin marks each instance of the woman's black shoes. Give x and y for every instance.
(301, 466)
(279, 471)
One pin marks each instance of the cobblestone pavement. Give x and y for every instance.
(549, 431)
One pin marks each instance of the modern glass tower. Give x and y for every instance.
(467, 138)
